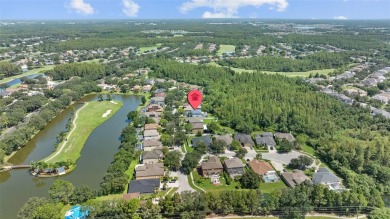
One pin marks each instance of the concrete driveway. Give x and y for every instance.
(281, 158)
(183, 183)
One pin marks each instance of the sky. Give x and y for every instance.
(194, 9)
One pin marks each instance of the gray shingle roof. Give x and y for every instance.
(266, 141)
(323, 176)
(212, 163)
(244, 138)
(206, 140)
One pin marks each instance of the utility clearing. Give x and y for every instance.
(86, 119)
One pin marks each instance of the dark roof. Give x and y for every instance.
(193, 120)
(244, 138)
(267, 134)
(160, 90)
(143, 185)
(323, 175)
(267, 141)
(206, 140)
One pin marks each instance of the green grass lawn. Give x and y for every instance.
(27, 73)
(225, 49)
(109, 197)
(308, 150)
(173, 191)
(192, 184)
(89, 117)
(148, 48)
(130, 172)
(205, 183)
(270, 187)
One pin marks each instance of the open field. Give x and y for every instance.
(30, 72)
(86, 120)
(148, 48)
(225, 49)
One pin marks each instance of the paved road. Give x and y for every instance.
(183, 180)
(281, 158)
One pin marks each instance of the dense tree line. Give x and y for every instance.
(115, 180)
(255, 102)
(66, 71)
(316, 61)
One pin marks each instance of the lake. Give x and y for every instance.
(17, 186)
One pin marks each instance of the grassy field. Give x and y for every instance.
(146, 48)
(85, 124)
(308, 150)
(27, 73)
(225, 49)
(270, 187)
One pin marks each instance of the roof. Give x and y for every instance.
(143, 186)
(233, 163)
(193, 120)
(131, 196)
(244, 138)
(267, 134)
(268, 141)
(226, 138)
(160, 90)
(212, 163)
(157, 99)
(154, 169)
(323, 176)
(152, 126)
(197, 126)
(206, 140)
(60, 169)
(151, 133)
(295, 178)
(151, 143)
(260, 167)
(288, 136)
(155, 154)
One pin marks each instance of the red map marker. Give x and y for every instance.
(194, 97)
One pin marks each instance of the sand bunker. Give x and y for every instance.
(106, 113)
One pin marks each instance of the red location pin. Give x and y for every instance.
(195, 98)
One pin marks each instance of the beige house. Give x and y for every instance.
(153, 156)
(211, 167)
(151, 134)
(152, 144)
(149, 171)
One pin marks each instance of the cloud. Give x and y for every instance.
(81, 7)
(229, 8)
(208, 14)
(130, 8)
(340, 18)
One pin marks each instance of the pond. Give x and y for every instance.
(17, 186)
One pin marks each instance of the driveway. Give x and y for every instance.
(251, 154)
(281, 158)
(183, 184)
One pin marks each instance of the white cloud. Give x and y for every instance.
(130, 8)
(340, 18)
(229, 8)
(208, 14)
(81, 7)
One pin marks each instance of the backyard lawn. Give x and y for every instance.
(206, 184)
(270, 187)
